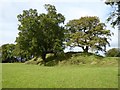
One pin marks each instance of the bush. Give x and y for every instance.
(81, 58)
(114, 52)
(51, 63)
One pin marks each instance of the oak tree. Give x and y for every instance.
(88, 33)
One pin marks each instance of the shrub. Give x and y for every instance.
(114, 52)
(51, 63)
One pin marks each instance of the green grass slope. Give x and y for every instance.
(76, 59)
(70, 70)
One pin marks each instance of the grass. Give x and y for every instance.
(74, 58)
(18, 75)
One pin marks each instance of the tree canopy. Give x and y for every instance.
(40, 34)
(7, 52)
(88, 33)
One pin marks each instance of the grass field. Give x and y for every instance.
(19, 75)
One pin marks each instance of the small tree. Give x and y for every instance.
(114, 52)
(7, 52)
(88, 33)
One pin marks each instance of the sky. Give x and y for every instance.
(71, 9)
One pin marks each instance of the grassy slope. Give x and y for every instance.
(75, 76)
(77, 59)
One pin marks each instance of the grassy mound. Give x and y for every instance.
(72, 58)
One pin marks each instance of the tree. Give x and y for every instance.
(115, 15)
(20, 54)
(41, 33)
(7, 53)
(28, 21)
(88, 33)
(114, 52)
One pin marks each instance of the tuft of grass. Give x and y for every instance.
(19, 75)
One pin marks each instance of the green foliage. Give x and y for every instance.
(114, 52)
(88, 33)
(41, 33)
(7, 52)
(20, 53)
(51, 63)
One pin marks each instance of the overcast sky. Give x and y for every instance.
(71, 9)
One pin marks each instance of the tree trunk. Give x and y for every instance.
(21, 59)
(86, 49)
(44, 56)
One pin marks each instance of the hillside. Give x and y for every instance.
(72, 58)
